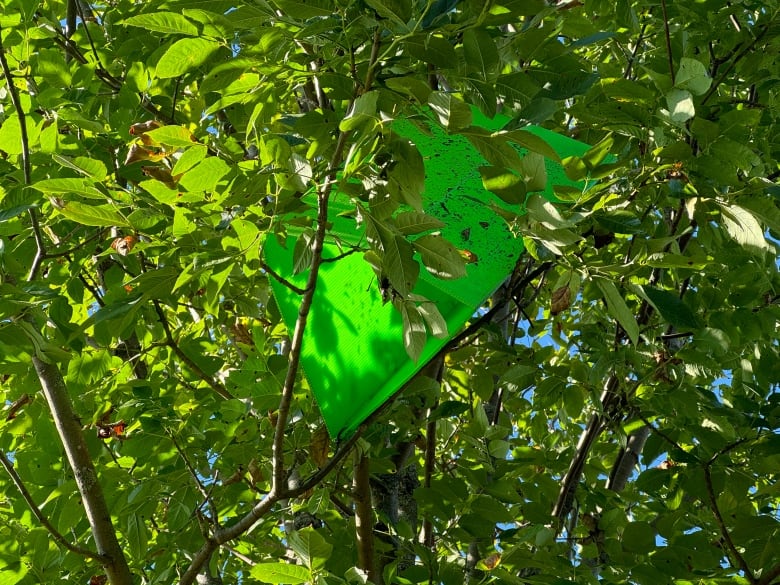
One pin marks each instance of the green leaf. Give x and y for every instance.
(671, 308)
(495, 148)
(440, 257)
(432, 49)
(415, 222)
(399, 265)
(397, 255)
(189, 158)
(764, 210)
(310, 548)
(638, 537)
(744, 228)
(619, 221)
(517, 88)
(414, 335)
(680, 103)
(410, 86)
(575, 168)
(448, 409)
(13, 572)
(303, 10)
(693, 76)
(183, 55)
(12, 212)
(89, 167)
(280, 573)
(509, 186)
(205, 175)
(82, 187)
(618, 308)
(532, 142)
(363, 111)
(302, 253)
(713, 340)
(50, 64)
(407, 172)
(136, 534)
(168, 23)
(174, 136)
(480, 53)
(94, 215)
(451, 111)
(598, 152)
(145, 219)
(534, 172)
(434, 319)
(546, 213)
(520, 376)
(399, 11)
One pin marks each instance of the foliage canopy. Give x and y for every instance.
(614, 416)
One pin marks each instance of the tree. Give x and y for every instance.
(613, 418)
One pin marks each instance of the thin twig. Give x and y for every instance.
(171, 342)
(635, 52)
(737, 58)
(279, 278)
(9, 468)
(724, 532)
(77, 247)
(668, 38)
(40, 251)
(203, 492)
(342, 255)
(660, 433)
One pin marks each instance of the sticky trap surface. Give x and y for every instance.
(353, 353)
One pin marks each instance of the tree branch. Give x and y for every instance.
(111, 555)
(297, 290)
(40, 252)
(628, 459)
(364, 516)
(296, 342)
(56, 393)
(44, 521)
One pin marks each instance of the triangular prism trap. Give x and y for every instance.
(353, 352)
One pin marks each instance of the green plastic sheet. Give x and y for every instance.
(353, 353)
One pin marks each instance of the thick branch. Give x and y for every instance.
(596, 424)
(69, 430)
(56, 393)
(44, 521)
(628, 459)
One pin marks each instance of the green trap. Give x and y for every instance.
(353, 353)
